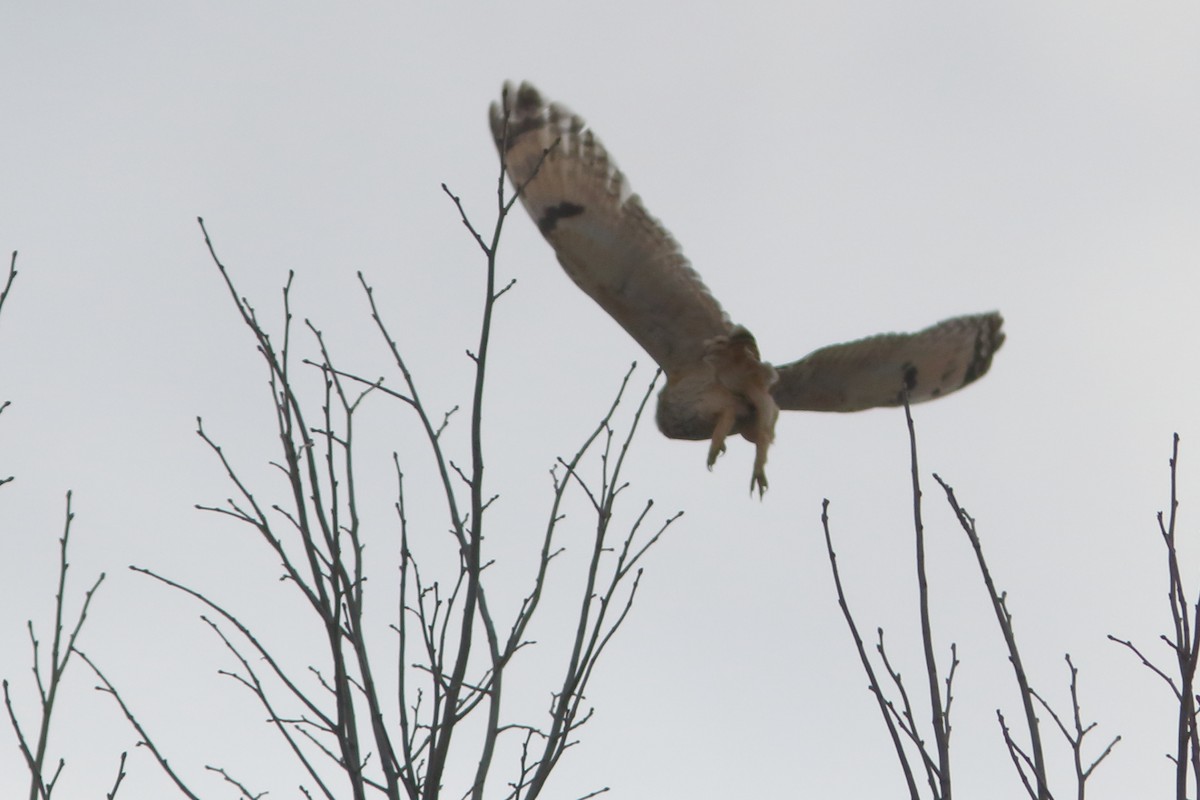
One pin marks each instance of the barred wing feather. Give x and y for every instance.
(608, 243)
(875, 371)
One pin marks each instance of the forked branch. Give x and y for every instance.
(1184, 644)
(49, 676)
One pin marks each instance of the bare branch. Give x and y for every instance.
(249, 636)
(112, 793)
(48, 681)
(1004, 620)
(873, 682)
(1021, 761)
(12, 276)
(1184, 643)
(245, 793)
(1075, 735)
(145, 739)
(941, 735)
(1147, 663)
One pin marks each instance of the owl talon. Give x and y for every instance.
(715, 449)
(758, 481)
(722, 428)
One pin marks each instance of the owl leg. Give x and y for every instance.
(739, 369)
(722, 428)
(758, 480)
(762, 434)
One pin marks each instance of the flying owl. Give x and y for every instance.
(717, 384)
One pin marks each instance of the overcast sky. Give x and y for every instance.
(832, 169)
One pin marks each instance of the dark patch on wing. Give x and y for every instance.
(910, 376)
(518, 127)
(528, 101)
(553, 214)
(524, 112)
(986, 344)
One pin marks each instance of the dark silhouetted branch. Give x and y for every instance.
(886, 709)
(1184, 643)
(49, 677)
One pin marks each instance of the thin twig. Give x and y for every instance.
(940, 723)
(246, 793)
(1004, 620)
(1075, 735)
(12, 276)
(145, 740)
(1185, 617)
(112, 793)
(48, 683)
(873, 682)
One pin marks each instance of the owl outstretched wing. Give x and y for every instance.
(608, 243)
(876, 371)
(717, 384)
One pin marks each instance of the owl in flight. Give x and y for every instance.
(717, 384)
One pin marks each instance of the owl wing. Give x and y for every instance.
(875, 371)
(602, 234)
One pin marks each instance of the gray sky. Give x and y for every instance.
(832, 169)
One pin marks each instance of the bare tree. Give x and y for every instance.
(356, 723)
(48, 674)
(910, 742)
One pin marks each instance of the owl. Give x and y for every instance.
(717, 383)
